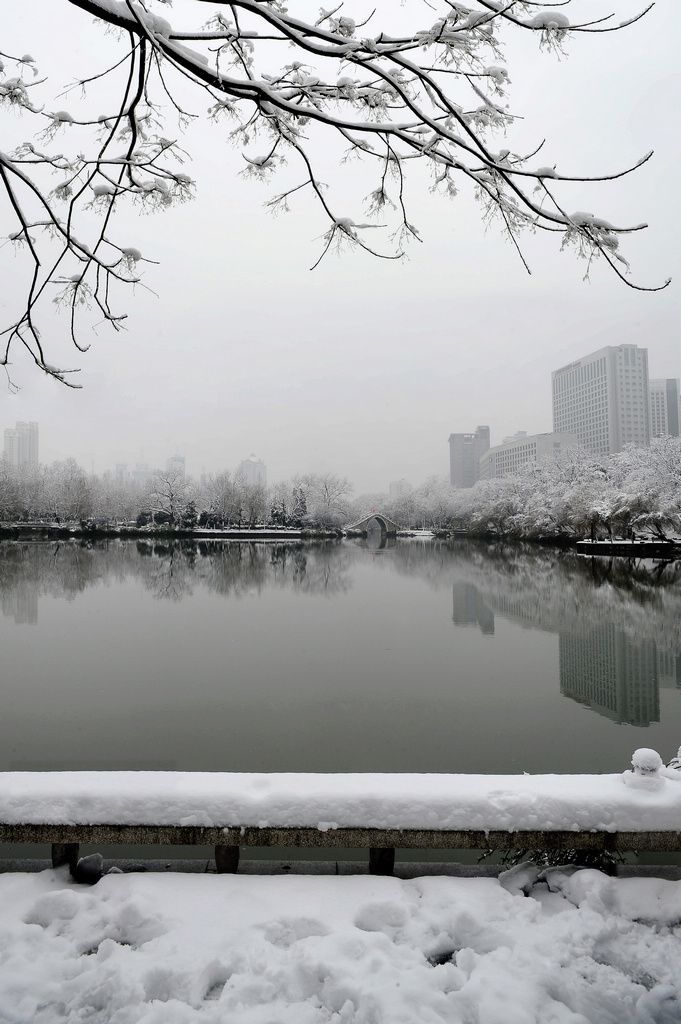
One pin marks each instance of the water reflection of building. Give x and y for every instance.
(600, 666)
(610, 673)
(469, 609)
(669, 669)
(21, 604)
(531, 612)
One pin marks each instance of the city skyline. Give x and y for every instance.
(367, 365)
(472, 456)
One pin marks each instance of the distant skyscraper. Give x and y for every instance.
(664, 407)
(21, 445)
(507, 458)
(141, 474)
(175, 464)
(465, 451)
(603, 399)
(253, 471)
(398, 488)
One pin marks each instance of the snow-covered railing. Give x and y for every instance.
(639, 809)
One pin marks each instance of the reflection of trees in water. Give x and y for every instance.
(557, 590)
(55, 568)
(546, 588)
(167, 570)
(310, 568)
(619, 623)
(170, 570)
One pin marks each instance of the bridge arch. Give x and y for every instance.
(388, 525)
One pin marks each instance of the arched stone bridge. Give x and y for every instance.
(362, 525)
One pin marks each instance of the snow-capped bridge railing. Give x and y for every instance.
(637, 810)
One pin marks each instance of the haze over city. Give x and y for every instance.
(363, 366)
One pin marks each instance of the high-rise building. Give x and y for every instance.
(141, 474)
(515, 452)
(465, 452)
(664, 407)
(253, 471)
(21, 445)
(399, 488)
(603, 399)
(175, 464)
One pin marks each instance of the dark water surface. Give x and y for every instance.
(420, 656)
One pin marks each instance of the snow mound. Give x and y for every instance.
(212, 949)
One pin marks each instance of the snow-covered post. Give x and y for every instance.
(646, 770)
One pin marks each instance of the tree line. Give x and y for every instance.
(64, 493)
(572, 495)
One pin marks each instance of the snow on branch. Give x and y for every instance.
(437, 95)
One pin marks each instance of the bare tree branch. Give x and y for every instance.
(393, 102)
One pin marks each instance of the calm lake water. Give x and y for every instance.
(337, 656)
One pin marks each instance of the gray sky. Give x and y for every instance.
(364, 366)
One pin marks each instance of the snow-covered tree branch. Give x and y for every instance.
(283, 86)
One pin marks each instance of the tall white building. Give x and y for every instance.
(21, 445)
(603, 399)
(664, 407)
(253, 471)
(523, 449)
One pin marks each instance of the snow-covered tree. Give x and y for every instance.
(224, 499)
(650, 483)
(287, 505)
(168, 493)
(284, 87)
(326, 498)
(114, 500)
(9, 493)
(67, 492)
(255, 503)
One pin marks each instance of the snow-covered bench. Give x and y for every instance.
(638, 810)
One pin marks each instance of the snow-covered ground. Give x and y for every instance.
(565, 946)
(202, 949)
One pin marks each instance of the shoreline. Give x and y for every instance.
(614, 548)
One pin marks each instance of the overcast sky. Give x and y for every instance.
(363, 366)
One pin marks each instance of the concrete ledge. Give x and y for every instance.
(359, 838)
